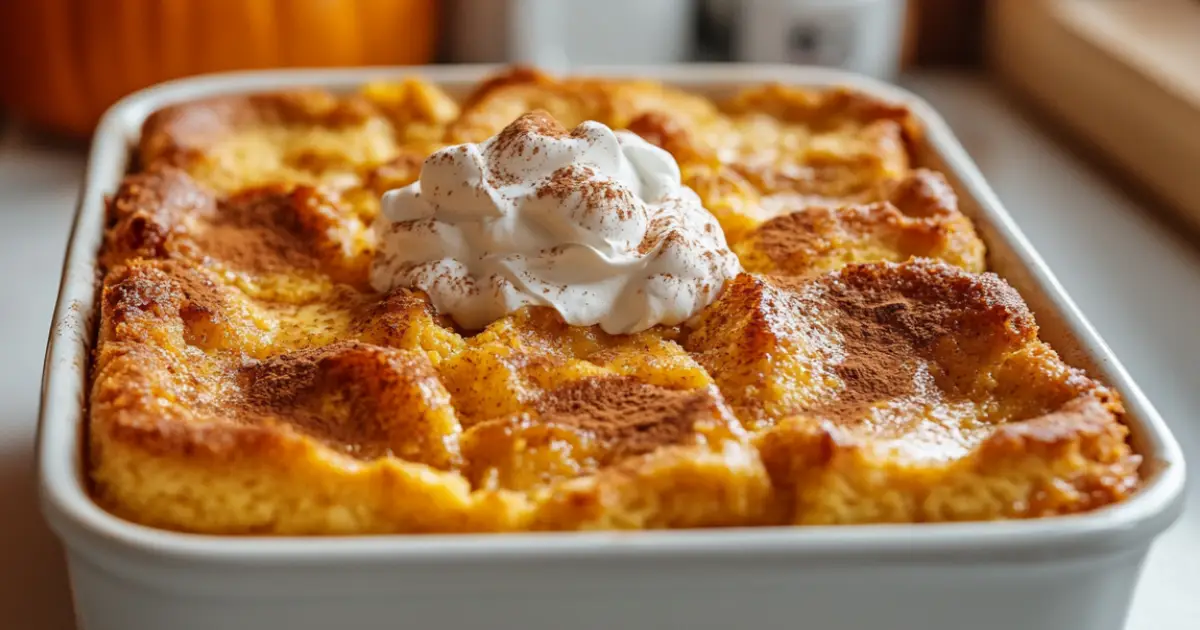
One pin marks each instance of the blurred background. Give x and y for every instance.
(1083, 114)
(1119, 74)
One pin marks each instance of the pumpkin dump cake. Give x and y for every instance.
(568, 304)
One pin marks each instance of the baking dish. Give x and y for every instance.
(1075, 572)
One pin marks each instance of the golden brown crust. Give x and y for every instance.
(775, 150)
(592, 424)
(301, 136)
(246, 379)
(180, 134)
(616, 103)
(820, 110)
(365, 401)
(147, 212)
(260, 234)
(919, 218)
(890, 343)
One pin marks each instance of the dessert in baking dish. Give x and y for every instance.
(568, 304)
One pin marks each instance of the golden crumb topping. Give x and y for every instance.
(864, 368)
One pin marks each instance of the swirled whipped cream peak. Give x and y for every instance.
(593, 223)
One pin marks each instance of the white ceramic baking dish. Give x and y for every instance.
(1067, 573)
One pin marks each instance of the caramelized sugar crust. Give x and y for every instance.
(864, 369)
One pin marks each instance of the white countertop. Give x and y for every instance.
(1136, 279)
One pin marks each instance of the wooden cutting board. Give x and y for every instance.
(1123, 74)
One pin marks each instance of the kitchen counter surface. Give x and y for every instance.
(1136, 278)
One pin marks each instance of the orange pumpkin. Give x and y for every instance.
(65, 61)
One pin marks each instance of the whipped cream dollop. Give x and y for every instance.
(593, 223)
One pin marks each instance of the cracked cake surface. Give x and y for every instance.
(864, 367)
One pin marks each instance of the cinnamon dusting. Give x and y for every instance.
(630, 418)
(364, 400)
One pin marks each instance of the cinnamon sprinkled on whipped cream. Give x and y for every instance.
(593, 223)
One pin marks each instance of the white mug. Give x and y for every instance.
(555, 34)
(859, 35)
